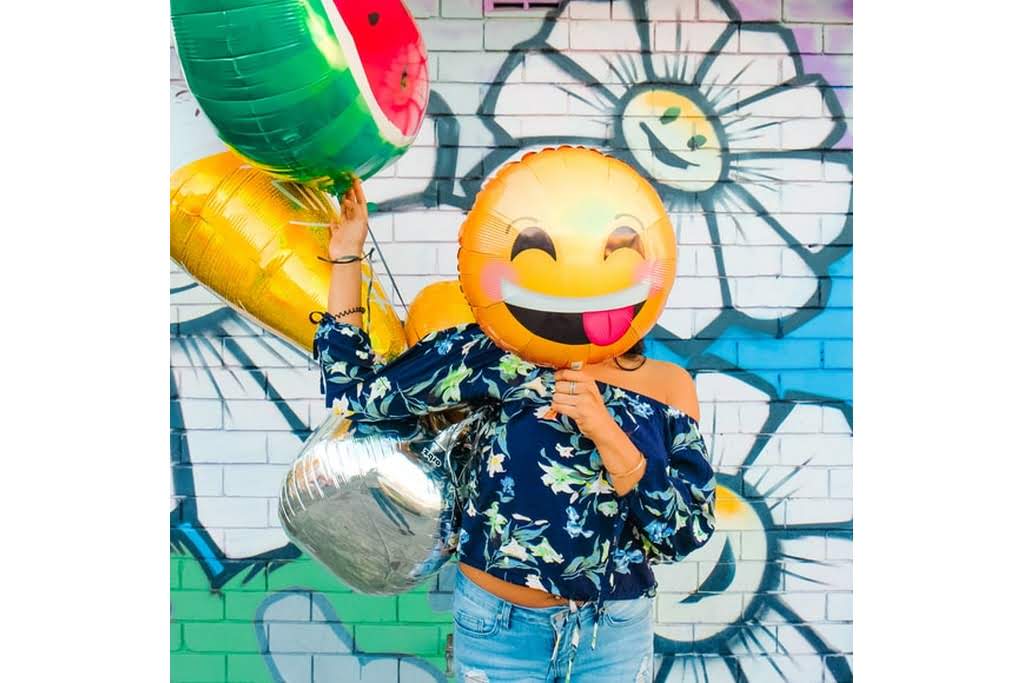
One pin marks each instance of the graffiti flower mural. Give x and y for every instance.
(753, 600)
(726, 123)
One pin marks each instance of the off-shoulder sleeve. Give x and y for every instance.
(673, 504)
(451, 367)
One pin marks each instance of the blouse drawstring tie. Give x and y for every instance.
(600, 605)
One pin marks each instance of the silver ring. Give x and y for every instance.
(572, 388)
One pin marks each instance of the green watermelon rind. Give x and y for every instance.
(299, 133)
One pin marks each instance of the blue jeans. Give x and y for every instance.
(497, 641)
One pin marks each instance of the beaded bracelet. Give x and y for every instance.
(349, 311)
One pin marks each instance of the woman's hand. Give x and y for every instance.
(348, 232)
(576, 396)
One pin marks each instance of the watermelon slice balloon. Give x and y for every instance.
(311, 91)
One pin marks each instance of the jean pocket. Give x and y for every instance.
(628, 612)
(474, 619)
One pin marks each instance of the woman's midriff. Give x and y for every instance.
(514, 593)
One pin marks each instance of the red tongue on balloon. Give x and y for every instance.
(607, 327)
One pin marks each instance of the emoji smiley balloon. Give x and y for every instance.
(567, 255)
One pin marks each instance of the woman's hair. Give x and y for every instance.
(635, 352)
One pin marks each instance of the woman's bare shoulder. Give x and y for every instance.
(676, 385)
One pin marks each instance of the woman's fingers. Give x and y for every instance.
(357, 187)
(572, 376)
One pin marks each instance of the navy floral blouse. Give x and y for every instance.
(541, 511)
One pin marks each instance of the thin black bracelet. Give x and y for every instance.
(347, 259)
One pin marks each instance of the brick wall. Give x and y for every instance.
(760, 315)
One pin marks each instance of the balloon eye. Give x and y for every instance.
(623, 237)
(533, 238)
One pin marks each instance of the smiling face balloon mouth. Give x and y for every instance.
(567, 255)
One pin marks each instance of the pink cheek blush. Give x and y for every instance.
(492, 275)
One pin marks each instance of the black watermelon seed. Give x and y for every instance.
(373, 17)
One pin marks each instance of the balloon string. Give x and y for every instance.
(387, 269)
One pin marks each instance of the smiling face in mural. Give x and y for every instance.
(568, 255)
(672, 138)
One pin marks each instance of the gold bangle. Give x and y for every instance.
(633, 469)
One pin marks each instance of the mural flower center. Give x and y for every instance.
(672, 138)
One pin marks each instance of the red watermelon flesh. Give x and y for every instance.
(393, 57)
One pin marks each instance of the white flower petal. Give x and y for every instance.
(722, 74)
(732, 414)
(767, 279)
(792, 117)
(193, 135)
(696, 297)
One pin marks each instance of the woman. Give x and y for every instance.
(586, 478)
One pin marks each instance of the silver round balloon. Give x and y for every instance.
(378, 503)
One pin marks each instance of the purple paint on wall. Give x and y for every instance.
(759, 10)
(818, 10)
(837, 70)
(808, 38)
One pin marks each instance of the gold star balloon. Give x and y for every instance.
(254, 241)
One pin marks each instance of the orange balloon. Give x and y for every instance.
(567, 255)
(438, 306)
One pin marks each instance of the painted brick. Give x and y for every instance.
(356, 608)
(722, 610)
(667, 35)
(462, 9)
(801, 354)
(811, 483)
(195, 351)
(829, 324)
(253, 480)
(838, 354)
(454, 35)
(596, 9)
(455, 67)
(678, 578)
(413, 608)
(219, 637)
(837, 70)
(262, 353)
(440, 226)
(225, 447)
(422, 9)
(808, 37)
(410, 258)
(839, 546)
(839, 636)
(757, 10)
(817, 511)
(416, 640)
(283, 448)
(196, 414)
(840, 606)
(836, 384)
(187, 667)
(293, 383)
(265, 415)
(754, 40)
(197, 606)
(199, 480)
(336, 668)
(838, 39)
(235, 512)
(501, 33)
(838, 11)
(840, 484)
(219, 383)
(841, 294)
